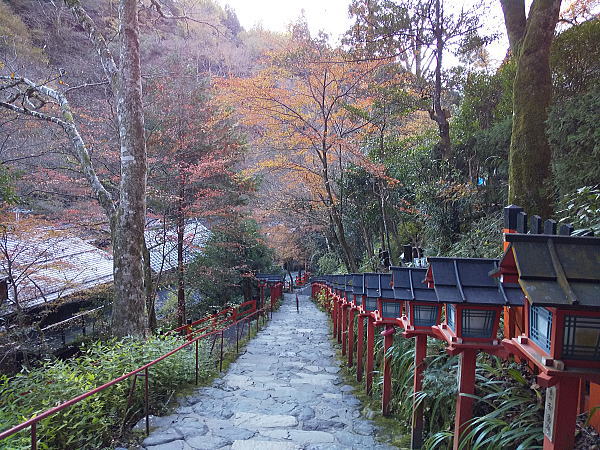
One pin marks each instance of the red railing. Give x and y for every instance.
(218, 320)
(234, 320)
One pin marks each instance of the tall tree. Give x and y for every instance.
(127, 215)
(418, 34)
(192, 145)
(302, 109)
(530, 154)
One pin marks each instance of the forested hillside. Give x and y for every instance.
(405, 133)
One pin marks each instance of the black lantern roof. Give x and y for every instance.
(335, 284)
(409, 284)
(358, 283)
(371, 281)
(348, 280)
(557, 270)
(331, 281)
(467, 280)
(385, 289)
(340, 282)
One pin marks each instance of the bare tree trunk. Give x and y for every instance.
(437, 113)
(334, 214)
(530, 154)
(367, 239)
(129, 308)
(180, 265)
(150, 289)
(514, 18)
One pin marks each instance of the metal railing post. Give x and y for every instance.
(34, 436)
(146, 401)
(196, 362)
(221, 357)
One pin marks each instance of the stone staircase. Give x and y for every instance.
(283, 393)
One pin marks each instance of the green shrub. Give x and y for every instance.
(582, 209)
(508, 411)
(575, 59)
(574, 136)
(31, 392)
(482, 240)
(329, 263)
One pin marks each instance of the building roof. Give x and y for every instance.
(556, 270)
(467, 280)
(162, 245)
(50, 265)
(409, 284)
(269, 277)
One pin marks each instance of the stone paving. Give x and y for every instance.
(283, 393)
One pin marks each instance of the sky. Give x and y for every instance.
(332, 17)
(275, 15)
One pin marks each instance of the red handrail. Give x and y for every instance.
(235, 310)
(34, 420)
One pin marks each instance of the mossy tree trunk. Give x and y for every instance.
(530, 154)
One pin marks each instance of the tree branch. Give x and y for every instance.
(68, 125)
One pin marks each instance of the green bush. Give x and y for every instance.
(574, 136)
(220, 272)
(582, 209)
(102, 416)
(482, 240)
(329, 263)
(575, 59)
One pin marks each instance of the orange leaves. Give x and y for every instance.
(576, 11)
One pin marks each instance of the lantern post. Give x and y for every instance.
(331, 300)
(359, 293)
(345, 306)
(351, 310)
(416, 436)
(389, 310)
(515, 220)
(370, 354)
(341, 312)
(276, 284)
(335, 309)
(473, 304)
(386, 395)
(371, 283)
(560, 276)
(422, 312)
